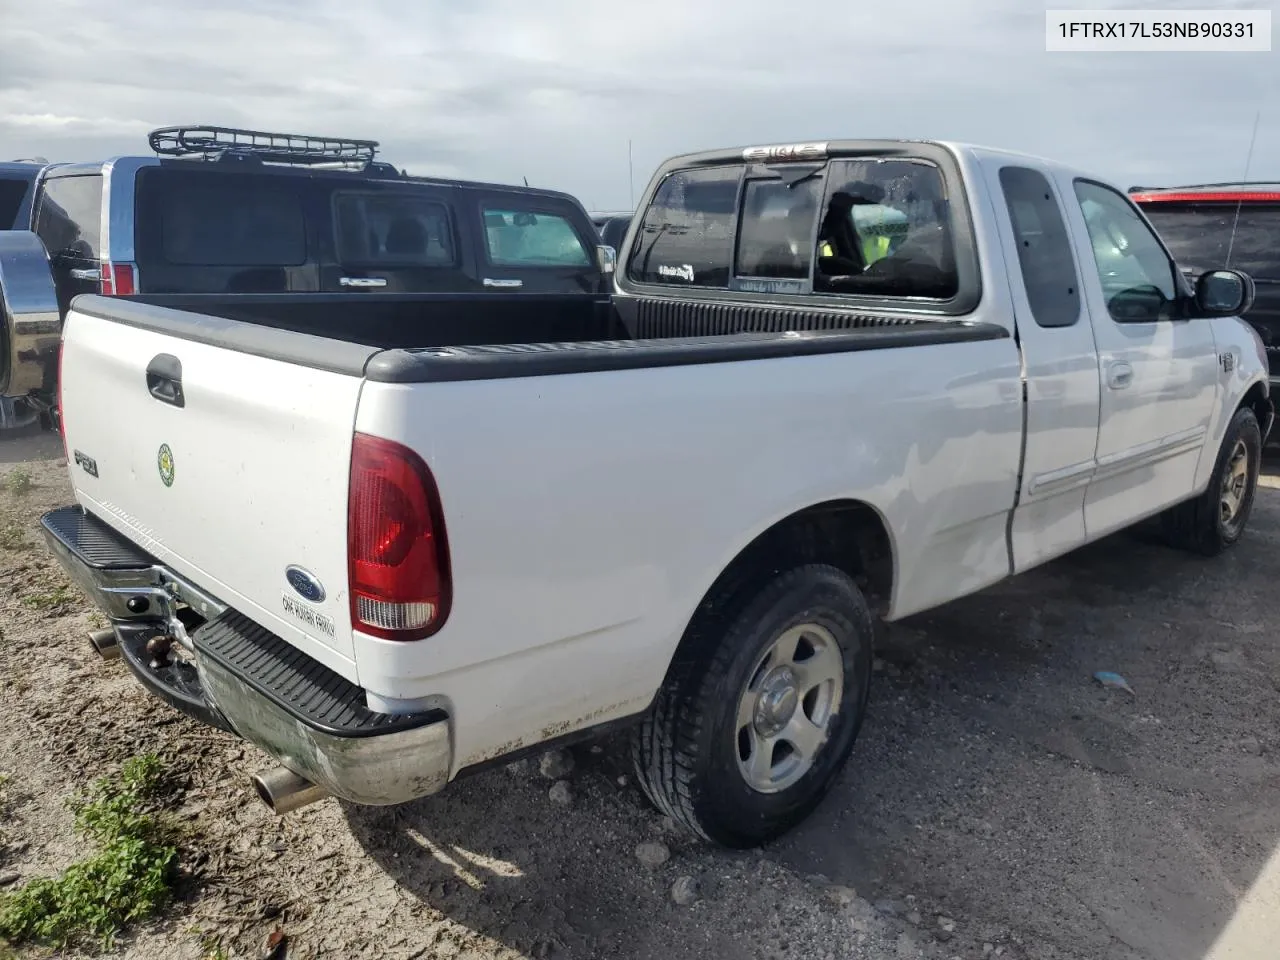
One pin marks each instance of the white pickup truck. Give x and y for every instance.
(395, 539)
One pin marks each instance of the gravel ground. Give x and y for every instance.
(999, 803)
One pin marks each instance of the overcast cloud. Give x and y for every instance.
(552, 90)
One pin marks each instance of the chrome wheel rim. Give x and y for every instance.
(1235, 484)
(785, 711)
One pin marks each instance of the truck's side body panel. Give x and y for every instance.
(588, 514)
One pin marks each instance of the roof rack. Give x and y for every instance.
(213, 143)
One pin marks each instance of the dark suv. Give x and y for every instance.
(1237, 224)
(17, 183)
(219, 210)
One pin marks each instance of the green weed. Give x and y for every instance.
(51, 599)
(12, 536)
(18, 481)
(129, 878)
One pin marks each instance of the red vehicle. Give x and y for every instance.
(1237, 224)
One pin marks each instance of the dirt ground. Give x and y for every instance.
(1000, 802)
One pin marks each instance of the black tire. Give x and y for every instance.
(686, 751)
(1198, 524)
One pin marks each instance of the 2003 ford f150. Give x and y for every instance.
(394, 540)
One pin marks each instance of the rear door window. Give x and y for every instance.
(685, 238)
(69, 218)
(397, 238)
(529, 238)
(394, 230)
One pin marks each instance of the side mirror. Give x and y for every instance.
(1224, 293)
(606, 258)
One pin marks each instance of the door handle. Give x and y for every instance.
(503, 284)
(1119, 375)
(164, 379)
(362, 282)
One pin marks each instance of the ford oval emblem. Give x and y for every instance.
(304, 583)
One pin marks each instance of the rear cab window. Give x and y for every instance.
(686, 234)
(870, 228)
(213, 231)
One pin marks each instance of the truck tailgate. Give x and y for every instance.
(243, 478)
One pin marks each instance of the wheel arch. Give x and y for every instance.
(1258, 399)
(849, 534)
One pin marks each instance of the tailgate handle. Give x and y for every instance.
(164, 379)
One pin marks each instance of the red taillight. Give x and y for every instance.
(397, 554)
(119, 280)
(1204, 196)
(61, 411)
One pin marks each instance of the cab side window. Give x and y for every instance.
(1044, 248)
(1137, 275)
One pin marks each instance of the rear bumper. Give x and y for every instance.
(228, 672)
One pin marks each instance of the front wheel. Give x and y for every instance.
(761, 708)
(1216, 519)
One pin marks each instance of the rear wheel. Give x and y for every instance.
(761, 708)
(1216, 519)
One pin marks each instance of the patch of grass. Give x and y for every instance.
(50, 599)
(129, 878)
(212, 948)
(18, 481)
(12, 536)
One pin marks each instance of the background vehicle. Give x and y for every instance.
(1237, 224)
(434, 531)
(17, 183)
(219, 210)
(612, 227)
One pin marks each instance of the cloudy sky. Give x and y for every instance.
(553, 90)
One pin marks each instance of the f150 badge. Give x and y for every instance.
(164, 462)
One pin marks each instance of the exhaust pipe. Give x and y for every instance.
(284, 791)
(105, 644)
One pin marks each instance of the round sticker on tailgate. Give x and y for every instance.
(164, 460)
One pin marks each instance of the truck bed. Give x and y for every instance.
(440, 337)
